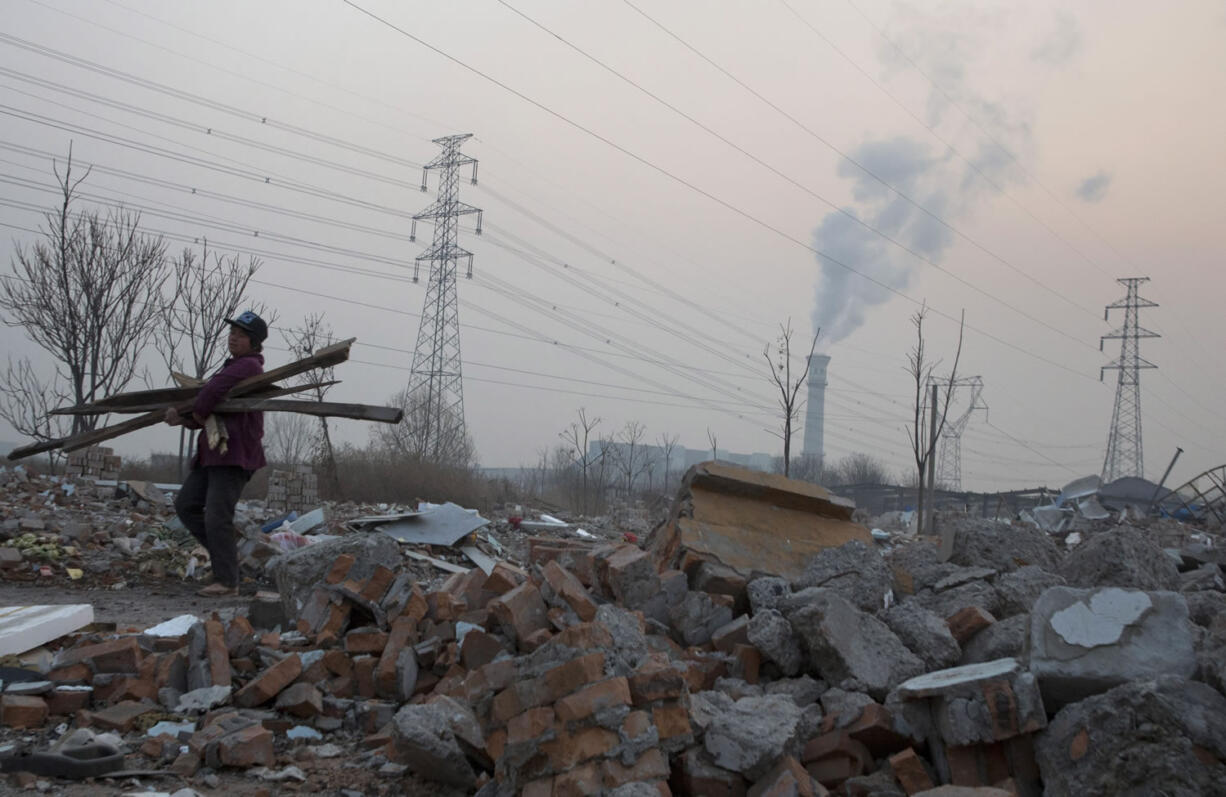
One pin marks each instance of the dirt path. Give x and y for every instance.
(137, 607)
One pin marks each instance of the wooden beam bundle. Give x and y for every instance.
(256, 394)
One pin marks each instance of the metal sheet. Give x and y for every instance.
(441, 525)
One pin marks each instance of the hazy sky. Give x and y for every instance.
(658, 180)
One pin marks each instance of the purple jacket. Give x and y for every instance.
(246, 429)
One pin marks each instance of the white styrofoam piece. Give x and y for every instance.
(24, 628)
(308, 521)
(174, 627)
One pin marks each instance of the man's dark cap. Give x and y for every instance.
(252, 324)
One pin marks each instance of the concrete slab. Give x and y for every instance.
(24, 628)
(942, 681)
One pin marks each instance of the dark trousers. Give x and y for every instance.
(205, 504)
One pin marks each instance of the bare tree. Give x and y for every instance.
(861, 468)
(631, 456)
(206, 291)
(89, 293)
(714, 443)
(576, 438)
(304, 341)
(402, 440)
(926, 429)
(288, 438)
(789, 389)
(26, 403)
(667, 444)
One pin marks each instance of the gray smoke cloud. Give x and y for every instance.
(933, 176)
(1094, 188)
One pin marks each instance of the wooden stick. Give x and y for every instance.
(324, 409)
(101, 407)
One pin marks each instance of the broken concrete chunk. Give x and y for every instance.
(426, 742)
(1019, 589)
(1160, 736)
(767, 592)
(1122, 557)
(697, 617)
(520, 612)
(1000, 640)
(924, 633)
(631, 576)
(854, 570)
(1004, 547)
(844, 642)
(749, 736)
(1085, 641)
(771, 633)
(980, 703)
(951, 601)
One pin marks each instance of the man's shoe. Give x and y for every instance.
(218, 590)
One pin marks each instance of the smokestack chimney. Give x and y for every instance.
(815, 409)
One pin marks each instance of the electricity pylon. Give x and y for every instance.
(949, 460)
(1125, 456)
(436, 388)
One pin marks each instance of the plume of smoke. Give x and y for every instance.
(948, 48)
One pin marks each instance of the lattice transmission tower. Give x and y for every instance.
(1125, 456)
(949, 458)
(436, 388)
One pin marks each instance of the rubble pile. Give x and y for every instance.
(593, 666)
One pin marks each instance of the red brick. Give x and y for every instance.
(416, 607)
(749, 662)
(569, 589)
(301, 700)
(579, 782)
(337, 663)
(787, 779)
(122, 716)
(385, 670)
(268, 684)
(240, 635)
(496, 744)
(186, 765)
(68, 701)
(965, 623)
(671, 720)
(247, 747)
(535, 640)
(569, 749)
(340, 569)
(530, 725)
(365, 640)
(964, 767)
(625, 568)
(504, 578)
(585, 636)
(22, 711)
(874, 728)
(651, 765)
(116, 655)
(910, 771)
(78, 673)
(375, 586)
(520, 611)
(364, 675)
(636, 724)
(542, 787)
(1079, 746)
(566, 678)
(656, 682)
(833, 757)
(479, 649)
(337, 620)
(593, 698)
(218, 653)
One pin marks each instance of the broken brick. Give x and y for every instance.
(504, 578)
(671, 720)
(22, 711)
(116, 655)
(301, 700)
(965, 623)
(787, 779)
(593, 698)
(365, 640)
(218, 653)
(247, 747)
(121, 716)
(910, 771)
(731, 634)
(520, 611)
(569, 749)
(340, 569)
(268, 684)
(656, 682)
(569, 589)
(385, 670)
(874, 728)
(377, 584)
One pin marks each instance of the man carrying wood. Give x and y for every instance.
(229, 450)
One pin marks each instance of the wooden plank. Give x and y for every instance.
(101, 407)
(330, 355)
(322, 409)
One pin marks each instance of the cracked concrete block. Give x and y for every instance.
(1004, 639)
(771, 633)
(951, 601)
(299, 572)
(979, 703)
(844, 642)
(854, 570)
(1085, 641)
(924, 633)
(697, 617)
(1122, 557)
(1020, 589)
(1152, 736)
(424, 740)
(752, 735)
(767, 592)
(1004, 547)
